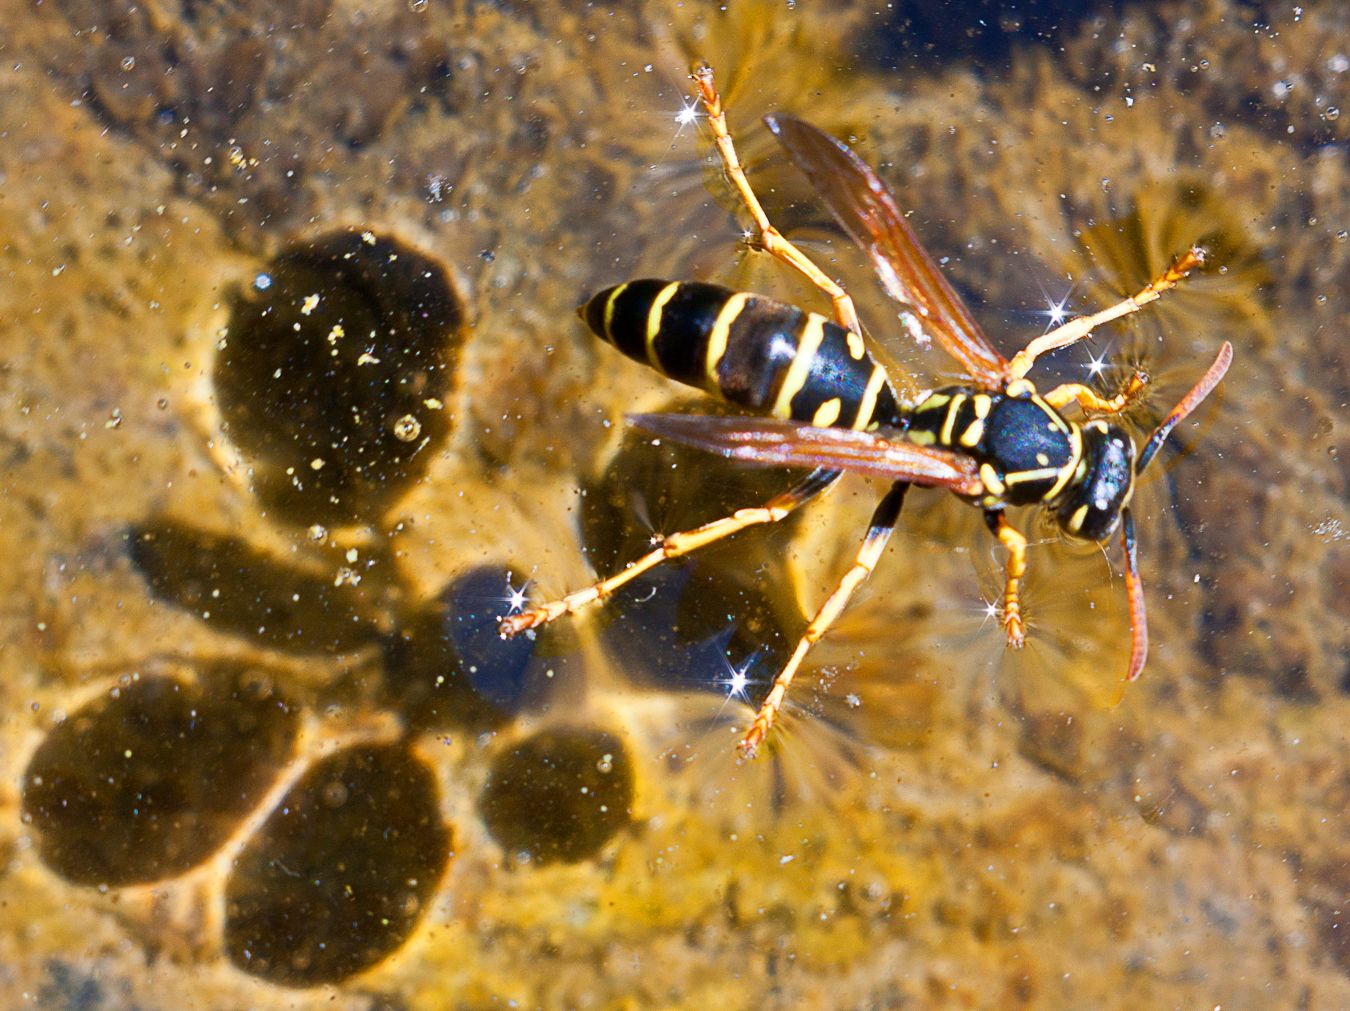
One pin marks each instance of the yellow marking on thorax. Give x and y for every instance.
(827, 413)
(1056, 422)
(990, 479)
(807, 346)
(654, 320)
(1075, 467)
(1023, 476)
(609, 310)
(935, 401)
(1020, 388)
(856, 347)
(921, 437)
(869, 398)
(974, 432)
(1076, 520)
(952, 409)
(721, 329)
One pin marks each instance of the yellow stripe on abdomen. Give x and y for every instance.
(654, 322)
(609, 311)
(868, 404)
(827, 413)
(813, 332)
(717, 338)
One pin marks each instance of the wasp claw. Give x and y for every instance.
(513, 624)
(749, 746)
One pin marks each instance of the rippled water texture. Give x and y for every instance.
(294, 404)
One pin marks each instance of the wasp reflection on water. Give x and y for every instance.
(826, 403)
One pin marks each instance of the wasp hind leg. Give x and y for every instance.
(673, 546)
(770, 239)
(1016, 568)
(869, 552)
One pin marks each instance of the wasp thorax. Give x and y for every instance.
(1091, 509)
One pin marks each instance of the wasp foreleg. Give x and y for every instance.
(1076, 329)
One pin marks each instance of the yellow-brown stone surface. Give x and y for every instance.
(260, 744)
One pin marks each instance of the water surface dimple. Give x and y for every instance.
(128, 788)
(341, 872)
(335, 371)
(559, 795)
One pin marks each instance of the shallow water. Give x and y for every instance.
(294, 405)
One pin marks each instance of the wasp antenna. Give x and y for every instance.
(1134, 586)
(1189, 403)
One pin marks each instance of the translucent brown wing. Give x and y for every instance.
(778, 443)
(866, 209)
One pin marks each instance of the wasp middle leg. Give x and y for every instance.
(879, 532)
(674, 546)
(770, 239)
(1076, 329)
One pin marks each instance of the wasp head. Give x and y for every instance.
(1091, 508)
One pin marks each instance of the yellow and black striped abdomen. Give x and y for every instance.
(753, 351)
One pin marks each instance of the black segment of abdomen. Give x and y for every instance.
(762, 341)
(834, 374)
(687, 319)
(632, 306)
(761, 344)
(680, 345)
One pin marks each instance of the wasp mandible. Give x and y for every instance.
(826, 403)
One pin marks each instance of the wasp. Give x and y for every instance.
(823, 401)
